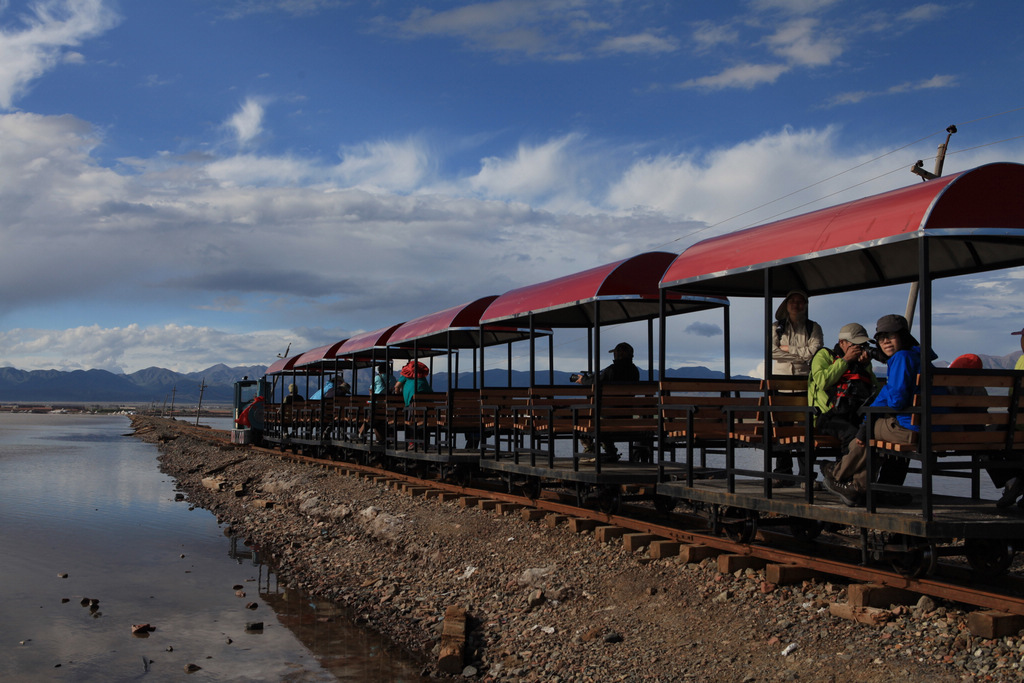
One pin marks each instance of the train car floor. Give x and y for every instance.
(952, 516)
(619, 472)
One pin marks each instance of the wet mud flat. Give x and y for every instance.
(547, 604)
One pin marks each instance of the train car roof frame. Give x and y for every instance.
(457, 327)
(869, 242)
(565, 301)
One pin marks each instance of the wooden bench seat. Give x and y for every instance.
(699, 410)
(982, 423)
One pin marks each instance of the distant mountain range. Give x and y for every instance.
(151, 385)
(155, 385)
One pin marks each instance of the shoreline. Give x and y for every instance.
(547, 604)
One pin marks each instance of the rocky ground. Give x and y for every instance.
(551, 605)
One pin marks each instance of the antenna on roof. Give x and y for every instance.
(918, 168)
(285, 354)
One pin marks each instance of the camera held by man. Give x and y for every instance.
(582, 377)
(874, 353)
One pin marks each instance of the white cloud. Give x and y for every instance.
(264, 242)
(798, 43)
(182, 348)
(794, 6)
(38, 46)
(399, 166)
(639, 43)
(746, 76)
(937, 81)
(247, 122)
(704, 188)
(708, 35)
(926, 12)
(534, 173)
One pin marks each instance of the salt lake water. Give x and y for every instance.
(80, 498)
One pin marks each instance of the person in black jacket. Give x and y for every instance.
(622, 369)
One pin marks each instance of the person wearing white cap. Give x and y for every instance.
(840, 381)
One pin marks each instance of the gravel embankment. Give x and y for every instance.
(551, 605)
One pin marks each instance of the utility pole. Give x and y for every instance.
(199, 408)
(174, 390)
(918, 169)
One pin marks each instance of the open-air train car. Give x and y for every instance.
(540, 436)
(966, 223)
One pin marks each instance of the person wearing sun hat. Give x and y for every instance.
(849, 477)
(795, 340)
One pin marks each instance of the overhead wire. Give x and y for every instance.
(841, 173)
(831, 194)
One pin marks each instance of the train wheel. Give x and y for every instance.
(916, 561)
(990, 557)
(806, 530)
(532, 488)
(609, 501)
(742, 530)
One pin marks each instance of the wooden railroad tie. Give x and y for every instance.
(453, 641)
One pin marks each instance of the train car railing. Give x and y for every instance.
(974, 428)
(459, 416)
(415, 422)
(548, 416)
(628, 413)
(498, 409)
(698, 417)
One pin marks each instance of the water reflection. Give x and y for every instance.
(348, 652)
(95, 543)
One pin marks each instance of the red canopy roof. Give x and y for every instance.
(365, 342)
(283, 365)
(458, 326)
(318, 355)
(627, 290)
(976, 216)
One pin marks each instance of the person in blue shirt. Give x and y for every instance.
(849, 477)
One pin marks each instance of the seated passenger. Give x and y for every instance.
(840, 382)
(622, 369)
(848, 478)
(382, 381)
(1010, 480)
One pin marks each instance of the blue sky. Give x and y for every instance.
(185, 183)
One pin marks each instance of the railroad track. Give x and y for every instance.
(823, 558)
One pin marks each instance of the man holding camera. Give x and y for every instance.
(840, 381)
(848, 478)
(622, 369)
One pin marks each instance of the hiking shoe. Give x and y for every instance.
(845, 490)
(1011, 492)
(826, 469)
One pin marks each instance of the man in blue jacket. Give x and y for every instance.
(849, 477)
